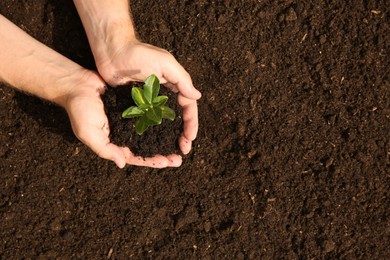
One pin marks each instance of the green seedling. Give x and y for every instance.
(150, 107)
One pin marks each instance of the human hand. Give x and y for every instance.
(135, 61)
(32, 67)
(90, 124)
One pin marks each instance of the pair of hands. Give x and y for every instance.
(134, 61)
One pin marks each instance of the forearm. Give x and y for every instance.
(30, 66)
(108, 25)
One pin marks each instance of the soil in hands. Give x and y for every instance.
(161, 139)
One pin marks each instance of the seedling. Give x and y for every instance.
(150, 107)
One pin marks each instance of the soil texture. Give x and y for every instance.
(161, 139)
(291, 160)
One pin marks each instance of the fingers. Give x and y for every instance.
(99, 143)
(122, 155)
(190, 123)
(97, 139)
(175, 160)
(179, 80)
(185, 144)
(174, 77)
(158, 161)
(172, 87)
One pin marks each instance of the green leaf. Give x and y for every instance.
(132, 112)
(160, 101)
(148, 121)
(150, 107)
(138, 96)
(151, 88)
(141, 126)
(168, 113)
(144, 107)
(154, 114)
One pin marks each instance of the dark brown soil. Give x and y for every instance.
(162, 139)
(291, 160)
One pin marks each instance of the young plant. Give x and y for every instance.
(150, 107)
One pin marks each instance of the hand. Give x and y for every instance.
(89, 123)
(135, 61)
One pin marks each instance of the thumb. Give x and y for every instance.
(114, 153)
(99, 143)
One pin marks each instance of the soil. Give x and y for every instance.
(163, 138)
(291, 159)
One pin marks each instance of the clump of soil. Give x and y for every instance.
(160, 139)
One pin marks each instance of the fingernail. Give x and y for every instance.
(120, 162)
(198, 94)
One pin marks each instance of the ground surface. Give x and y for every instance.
(291, 160)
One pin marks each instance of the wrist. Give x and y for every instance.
(108, 26)
(84, 83)
(113, 35)
(32, 67)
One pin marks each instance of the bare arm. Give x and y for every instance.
(30, 66)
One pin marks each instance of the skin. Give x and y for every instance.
(120, 57)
